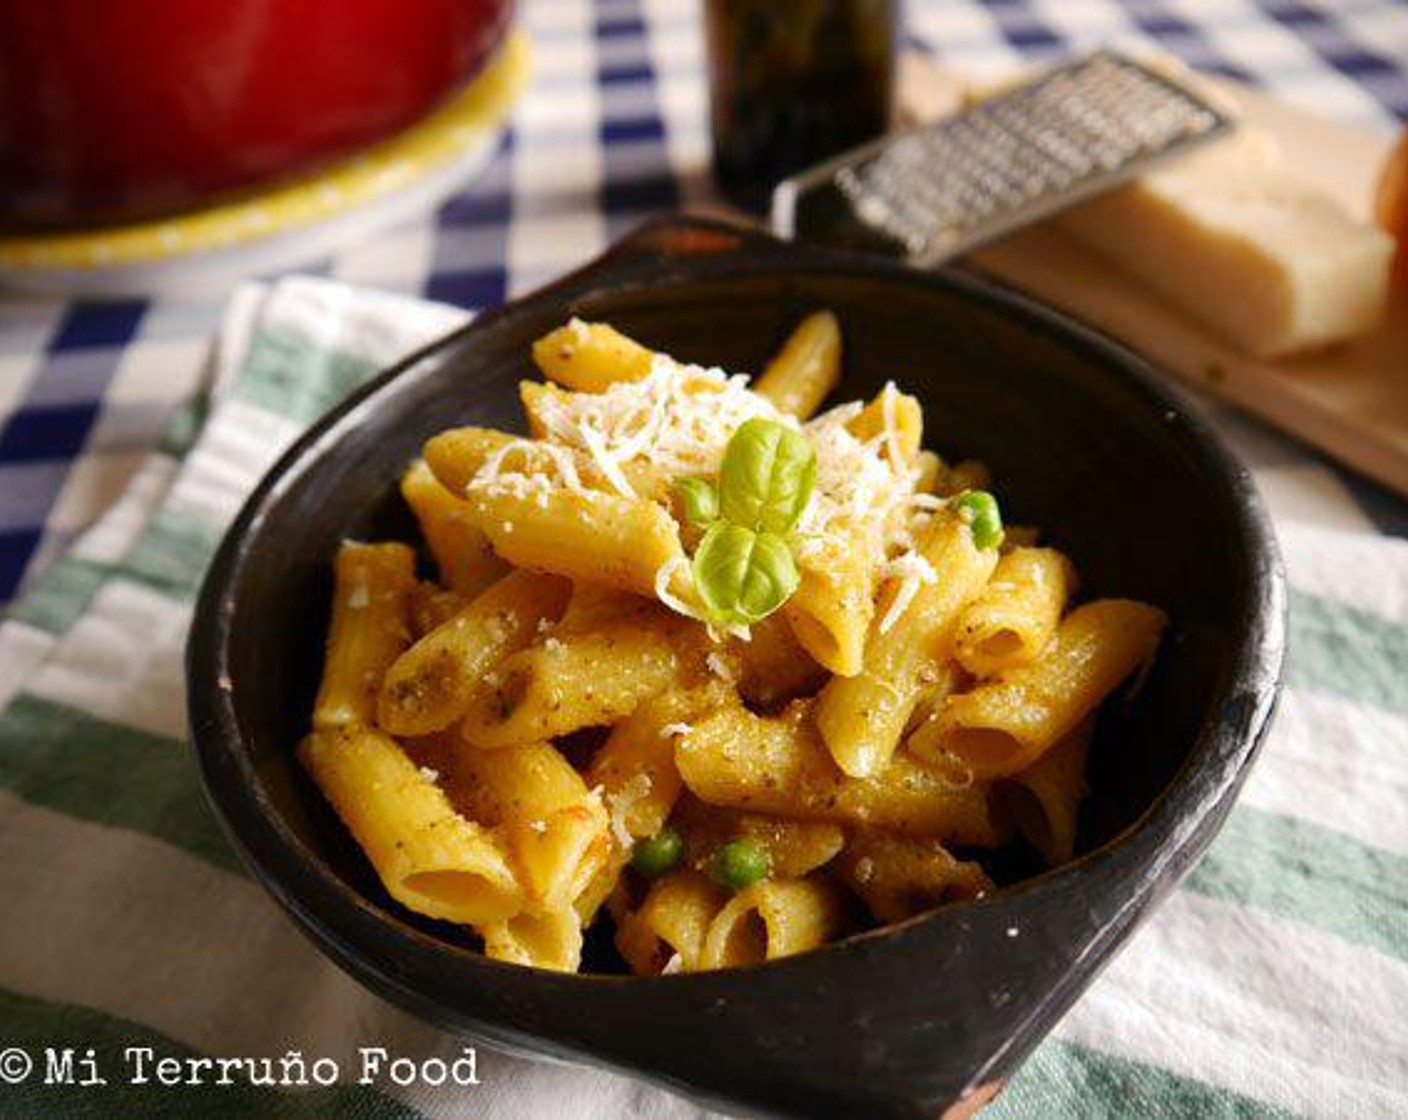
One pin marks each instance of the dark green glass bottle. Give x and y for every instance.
(793, 82)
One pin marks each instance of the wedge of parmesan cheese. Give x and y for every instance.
(1234, 238)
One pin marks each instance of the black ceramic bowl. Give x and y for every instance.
(903, 1022)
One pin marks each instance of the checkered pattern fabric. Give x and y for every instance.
(612, 130)
(1271, 983)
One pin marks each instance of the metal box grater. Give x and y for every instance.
(936, 191)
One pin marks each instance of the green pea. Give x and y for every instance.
(658, 854)
(980, 510)
(740, 863)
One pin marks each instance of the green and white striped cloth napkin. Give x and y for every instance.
(1274, 982)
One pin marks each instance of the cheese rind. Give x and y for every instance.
(1234, 238)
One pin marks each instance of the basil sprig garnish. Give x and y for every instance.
(743, 567)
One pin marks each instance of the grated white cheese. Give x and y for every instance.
(637, 787)
(677, 421)
(719, 666)
(912, 570)
(673, 965)
(670, 730)
(430, 775)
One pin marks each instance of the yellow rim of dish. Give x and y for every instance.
(385, 167)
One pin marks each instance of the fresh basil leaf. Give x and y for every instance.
(699, 499)
(767, 477)
(980, 510)
(743, 576)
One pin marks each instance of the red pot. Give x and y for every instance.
(130, 108)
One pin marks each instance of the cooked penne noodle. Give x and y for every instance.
(929, 471)
(900, 876)
(589, 357)
(861, 718)
(772, 919)
(635, 767)
(1044, 799)
(371, 604)
(831, 611)
(552, 941)
(1019, 536)
(538, 399)
(1016, 614)
(780, 766)
(466, 562)
(574, 681)
(583, 535)
(429, 857)
(556, 829)
(794, 847)
(455, 456)
(1003, 726)
(430, 606)
(806, 369)
(431, 684)
(668, 929)
(967, 475)
(898, 418)
(773, 666)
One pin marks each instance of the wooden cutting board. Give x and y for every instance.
(1351, 401)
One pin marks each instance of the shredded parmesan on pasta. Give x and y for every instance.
(670, 730)
(635, 789)
(677, 421)
(911, 570)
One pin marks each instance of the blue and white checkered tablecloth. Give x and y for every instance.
(612, 130)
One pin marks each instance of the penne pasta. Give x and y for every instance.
(831, 611)
(794, 847)
(589, 357)
(806, 369)
(574, 681)
(773, 666)
(780, 766)
(556, 830)
(430, 858)
(967, 475)
(583, 535)
(431, 685)
(896, 420)
(1003, 726)
(900, 876)
(552, 941)
(772, 919)
(667, 931)
(861, 718)
(929, 472)
(466, 562)
(430, 606)
(1016, 614)
(635, 767)
(371, 603)
(455, 456)
(1044, 799)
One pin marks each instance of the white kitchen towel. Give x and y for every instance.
(1273, 982)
